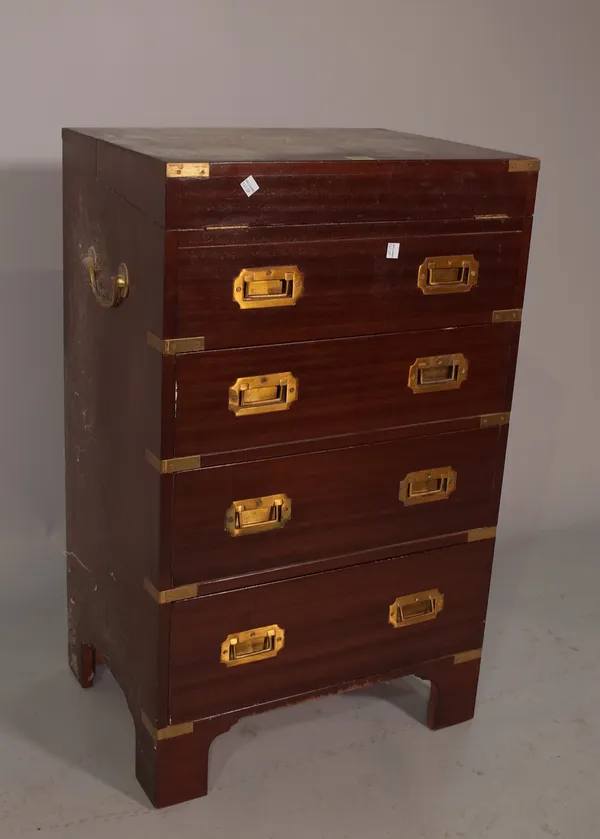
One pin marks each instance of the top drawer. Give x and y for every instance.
(247, 287)
(340, 191)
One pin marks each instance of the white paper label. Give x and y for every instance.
(393, 250)
(249, 186)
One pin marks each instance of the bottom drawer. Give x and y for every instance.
(317, 631)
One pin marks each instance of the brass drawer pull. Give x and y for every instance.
(416, 608)
(448, 274)
(428, 485)
(262, 394)
(257, 515)
(119, 284)
(264, 288)
(438, 372)
(252, 645)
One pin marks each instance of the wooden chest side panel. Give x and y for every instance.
(309, 193)
(112, 412)
(349, 286)
(345, 387)
(343, 501)
(336, 629)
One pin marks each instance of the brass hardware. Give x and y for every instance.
(487, 420)
(175, 346)
(171, 595)
(524, 165)
(262, 394)
(188, 170)
(170, 731)
(481, 533)
(416, 608)
(489, 216)
(263, 288)
(437, 372)
(447, 274)
(174, 464)
(257, 515)
(468, 655)
(427, 485)
(507, 315)
(120, 283)
(252, 645)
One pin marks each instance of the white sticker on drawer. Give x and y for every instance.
(393, 250)
(249, 186)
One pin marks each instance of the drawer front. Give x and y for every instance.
(332, 286)
(341, 502)
(309, 193)
(338, 388)
(328, 628)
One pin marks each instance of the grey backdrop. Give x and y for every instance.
(521, 75)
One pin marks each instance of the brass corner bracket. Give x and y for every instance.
(478, 534)
(488, 420)
(169, 732)
(173, 464)
(188, 170)
(467, 655)
(524, 164)
(507, 315)
(171, 595)
(176, 346)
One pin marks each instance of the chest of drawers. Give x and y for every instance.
(289, 361)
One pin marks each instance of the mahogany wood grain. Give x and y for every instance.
(343, 501)
(350, 287)
(311, 193)
(336, 629)
(112, 412)
(345, 387)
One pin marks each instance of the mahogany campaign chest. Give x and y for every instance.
(289, 363)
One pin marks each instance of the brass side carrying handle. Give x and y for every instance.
(437, 372)
(416, 608)
(262, 394)
(252, 645)
(257, 515)
(119, 284)
(264, 288)
(448, 274)
(427, 485)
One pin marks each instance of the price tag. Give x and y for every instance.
(393, 250)
(249, 186)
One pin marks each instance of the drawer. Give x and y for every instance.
(340, 191)
(230, 402)
(338, 282)
(334, 627)
(332, 503)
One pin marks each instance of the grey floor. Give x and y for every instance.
(358, 765)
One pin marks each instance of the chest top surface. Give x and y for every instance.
(232, 145)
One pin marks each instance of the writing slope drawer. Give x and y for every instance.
(317, 631)
(285, 511)
(232, 401)
(252, 288)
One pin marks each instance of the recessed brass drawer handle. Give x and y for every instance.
(416, 608)
(257, 515)
(448, 274)
(427, 485)
(262, 394)
(120, 283)
(438, 372)
(264, 288)
(252, 645)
